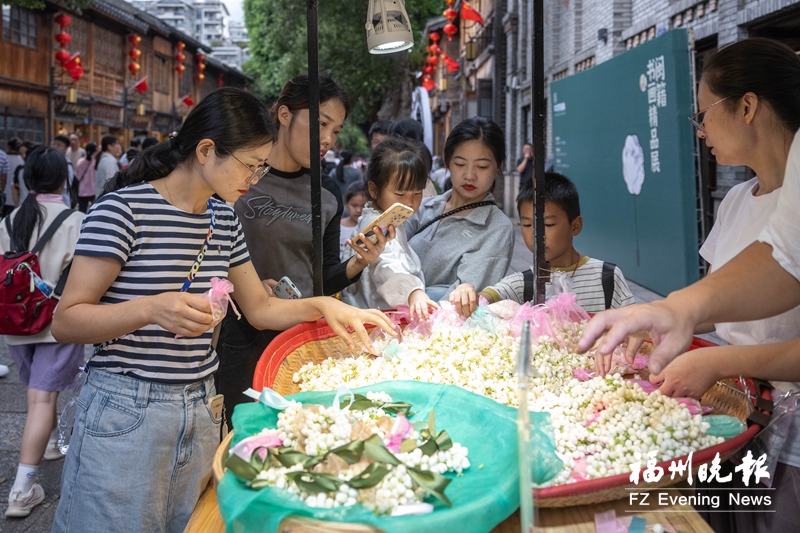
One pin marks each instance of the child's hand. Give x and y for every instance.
(369, 252)
(420, 306)
(465, 298)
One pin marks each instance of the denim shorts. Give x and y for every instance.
(139, 457)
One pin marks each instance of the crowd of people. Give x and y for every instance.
(228, 196)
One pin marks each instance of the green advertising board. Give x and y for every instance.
(620, 132)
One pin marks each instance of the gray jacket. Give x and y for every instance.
(475, 249)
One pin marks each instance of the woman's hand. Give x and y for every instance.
(670, 330)
(465, 298)
(269, 285)
(419, 305)
(369, 252)
(340, 316)
(181, 313)
(691, 374)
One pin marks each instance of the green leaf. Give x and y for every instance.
(431, 424)
(289, 457)
(255, 459)
(375, 450)
(428, 447)
(361, 405)
(408, 445)
(315, 483)
(351, 452)
(241, 468)
(431, 482)
(443, 441)
(398, 408)
(258, 484)
(369, 477)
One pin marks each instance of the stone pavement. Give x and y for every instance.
(12, 420)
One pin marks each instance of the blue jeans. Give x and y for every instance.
(139, 457)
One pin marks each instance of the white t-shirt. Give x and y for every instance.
(740, 220)
(587, 284)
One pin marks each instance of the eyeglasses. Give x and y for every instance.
(697, 119)
(259, 172)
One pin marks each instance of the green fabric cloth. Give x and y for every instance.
(484, 496)
(724, 426)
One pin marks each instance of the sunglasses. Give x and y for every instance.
(697, 119)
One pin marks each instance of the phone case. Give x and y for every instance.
(394, 216)
(286, 289)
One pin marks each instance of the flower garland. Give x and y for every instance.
(352, 453)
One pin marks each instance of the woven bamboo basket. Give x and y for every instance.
(314, 342)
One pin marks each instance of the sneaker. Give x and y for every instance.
(3, 371)
(20, 505)
(52, 453)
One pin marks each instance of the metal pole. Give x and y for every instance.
(313, 129)
(541, 268)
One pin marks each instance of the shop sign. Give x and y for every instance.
(138, 122)
(162, 123)
(107, 113)
(76, 110)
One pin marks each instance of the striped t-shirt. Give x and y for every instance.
(156, 244)
(587, 285)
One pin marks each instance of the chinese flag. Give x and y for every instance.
(73, 63)
(470, 13)
(451, 64)
(141, 85)
(188, 100)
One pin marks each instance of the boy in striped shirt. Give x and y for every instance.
(598, 285)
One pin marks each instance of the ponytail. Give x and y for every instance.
(232, 118)
(45, 172)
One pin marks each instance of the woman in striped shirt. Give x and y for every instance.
(144, 434)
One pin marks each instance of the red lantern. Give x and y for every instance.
(435, 37)
(63, 38)
(62, 56)
(427, 70)
(180, 69)
(135, 53)
(134, 40)
(428, 83)
(432, 49)
(180, 57)
(450, 14)
(200, 57)
(201, 77)
(63, 20)
(134, 68)
(180, 46)
(201, 66)
(450, 29)
(451, 2)
(433, 61)
(220, 80)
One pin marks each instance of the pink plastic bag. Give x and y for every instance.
(582, 374)
(446, 316)
(564, 308)
(694, 406)
(539, 318)
(218, 296)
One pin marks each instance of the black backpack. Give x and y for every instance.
(606, 279)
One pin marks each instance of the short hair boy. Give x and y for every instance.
(563, 221)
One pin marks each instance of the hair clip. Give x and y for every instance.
(173, 134)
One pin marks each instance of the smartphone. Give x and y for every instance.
(394, 216)
(286, 289)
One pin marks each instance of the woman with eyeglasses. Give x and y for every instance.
(749, 102)
(276, 217)
(144, 432)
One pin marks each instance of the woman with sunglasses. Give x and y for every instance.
(144, 432)
(276, 217)
(749, 99)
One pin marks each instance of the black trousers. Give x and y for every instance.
(239, 348)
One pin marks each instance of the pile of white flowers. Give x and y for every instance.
(322, 429)
(598, 424)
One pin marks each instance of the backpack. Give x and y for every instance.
(27, 302)
(606, 280)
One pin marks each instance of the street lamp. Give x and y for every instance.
(388, 27)
(471, 51)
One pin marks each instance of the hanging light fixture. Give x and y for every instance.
(140, 111)
(388, 27)
(72, 95)
(471, 51)
(443, 84)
